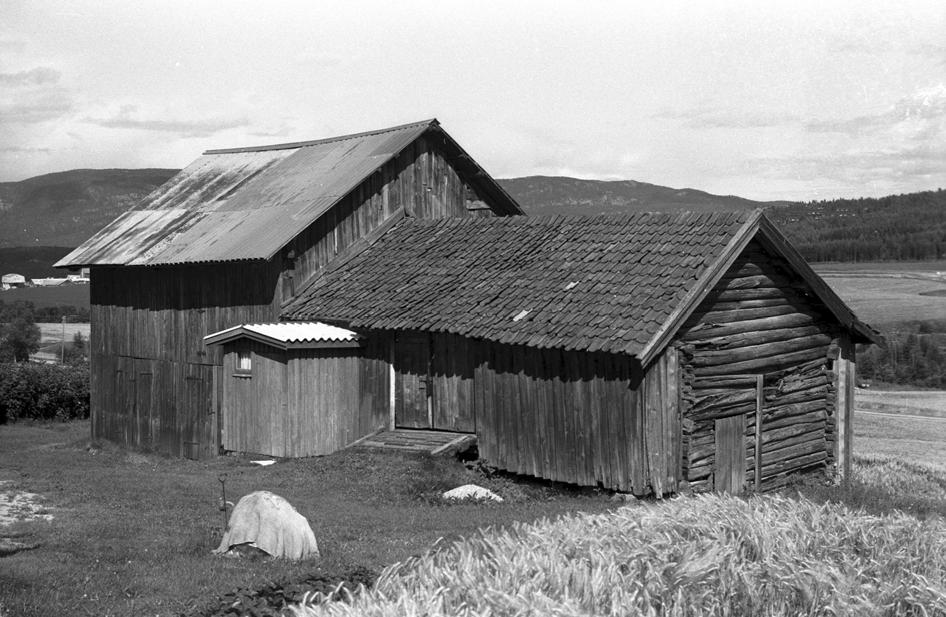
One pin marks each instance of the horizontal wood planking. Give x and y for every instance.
(757, 320)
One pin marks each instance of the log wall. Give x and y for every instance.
(153, 384)
(759, 320)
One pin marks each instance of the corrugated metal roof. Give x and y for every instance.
(286, 334)
(244, 203)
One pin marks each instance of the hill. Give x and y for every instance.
(908, 227)
(64, 209)
(559, 195)
(32, 261)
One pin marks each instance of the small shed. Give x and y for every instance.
(641, 353)
(293, 389)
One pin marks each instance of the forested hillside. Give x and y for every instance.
(908, 227)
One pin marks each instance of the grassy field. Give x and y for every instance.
(889, 294)
(132, 533)
(930, 403)
(75, 295)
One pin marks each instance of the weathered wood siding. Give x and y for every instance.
(420, 181)
(254, 409)
(303, 402)
(160, 314)
(152, 376)
(335, 398)
(758, 321)
(583, 418)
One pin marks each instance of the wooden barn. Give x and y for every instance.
(640, 353)
(229, 240)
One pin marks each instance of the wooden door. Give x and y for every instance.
(730, 472)
(451, 383)
(412, 381)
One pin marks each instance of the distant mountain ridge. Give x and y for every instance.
(65, 208)
(55, 212)
(561, 195)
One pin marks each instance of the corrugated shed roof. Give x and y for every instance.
(285, 334)
(598, 284)
(245, 203)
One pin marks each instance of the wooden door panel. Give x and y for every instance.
(451, 378)
(730, 473)
(412, 371)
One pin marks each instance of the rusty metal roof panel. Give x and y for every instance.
(242, 203)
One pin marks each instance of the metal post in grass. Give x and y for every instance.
(223, 498)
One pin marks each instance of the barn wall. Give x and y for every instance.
(254, 403)
(420, 180)
(759, 319)
(582, 418)
(160, 314)
(336, 396)
(152, 377)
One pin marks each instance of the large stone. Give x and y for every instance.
(471, 491)
(269, 523)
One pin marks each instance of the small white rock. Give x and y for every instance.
(471, 491)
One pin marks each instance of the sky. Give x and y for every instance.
(765, 100)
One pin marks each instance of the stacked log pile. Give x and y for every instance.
(758, 321)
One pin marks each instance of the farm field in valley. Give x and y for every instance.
(889, 292)
(75, 295)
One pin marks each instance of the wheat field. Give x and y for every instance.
(704, 555)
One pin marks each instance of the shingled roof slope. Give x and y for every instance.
(597, 283)
(248, 203)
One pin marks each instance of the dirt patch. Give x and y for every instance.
(18, 506)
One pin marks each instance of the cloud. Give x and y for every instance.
(21, 150)
(36, 107)
(930, 51)
(126, 118)
(925, 106)
(919, 163)
(718, 118)
(12, 45)
(41, 75)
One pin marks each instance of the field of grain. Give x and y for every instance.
(887, 297)
(915, 402)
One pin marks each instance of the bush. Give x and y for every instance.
(43, 392)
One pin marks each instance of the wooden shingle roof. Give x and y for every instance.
(597, 283)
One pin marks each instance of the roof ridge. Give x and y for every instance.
(325, 140)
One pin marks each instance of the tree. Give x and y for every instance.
(77, 353)
(18, 339)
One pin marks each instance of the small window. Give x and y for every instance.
(244, 365)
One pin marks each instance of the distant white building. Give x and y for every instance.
(9, 281)
(77, 279)
(49, 282)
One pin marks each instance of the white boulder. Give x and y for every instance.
(270, 523)
(471, 491)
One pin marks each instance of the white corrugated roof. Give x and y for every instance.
(286, 334)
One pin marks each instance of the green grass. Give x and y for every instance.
(913, 440)
(132, 533)
(75, 295)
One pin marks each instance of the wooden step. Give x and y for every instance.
(436, 443)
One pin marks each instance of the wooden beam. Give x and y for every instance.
(759, 402)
